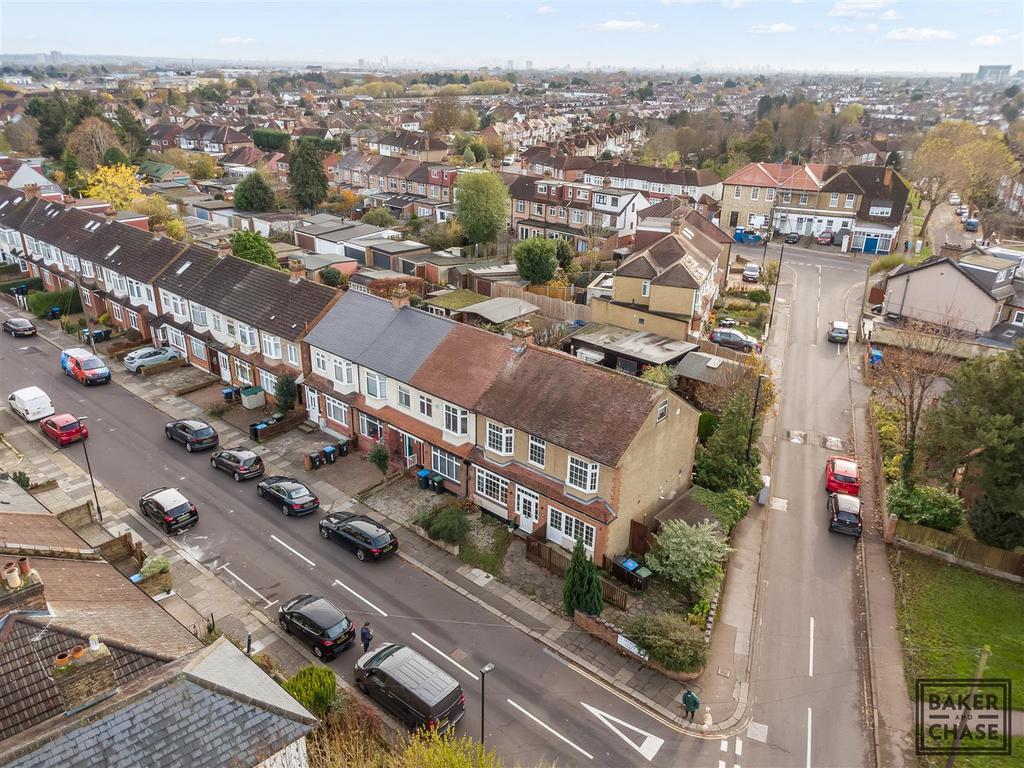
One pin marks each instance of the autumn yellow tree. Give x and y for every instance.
(175, 228)
(115, 184)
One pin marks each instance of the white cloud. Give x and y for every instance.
(858, 7)
(919, 34)
(988, 41)
(237, 40)
(890, 15)
(853, 28)
(545, 9)
(624, 25)
(772, 29)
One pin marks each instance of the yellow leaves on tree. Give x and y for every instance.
(116, 184)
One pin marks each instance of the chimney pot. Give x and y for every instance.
(400, 296)
(85, 680)
(522, 335)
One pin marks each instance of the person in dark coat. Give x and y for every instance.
(690, 704)
(365, 636)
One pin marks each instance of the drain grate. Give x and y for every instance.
(833, 443)
(796, 436)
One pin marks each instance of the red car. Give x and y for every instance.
(64, 428)
(842, 476)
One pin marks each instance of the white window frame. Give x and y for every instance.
(769, 194)
(537, 448)
(197, 347)
(645, 288)
(271, 346)
(803, 198)
(379, 388)
(663, 410)
(404, 397)
(737, 192)
(848, 203)
(343, 373)
(456, 420)
(199, 316)
(486, 481)
(267, 380)
(582, 475)
(445, 464)
(833, 200)
(293, 355)
(243, 371)
(87, 270)
(572, 528)
(520, 206)
(755, 193)
(336, 410)
(175, 338)
(527, 503)
(366, 422)
(1018, 318)
(133, 320)
(426, 407)
(500, 440)
(248, 335)
(116, 309)
(319, 361)
(215, 322)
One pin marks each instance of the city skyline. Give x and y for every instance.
(789, 35)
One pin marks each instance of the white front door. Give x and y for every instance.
(225, 367)
(313, 404)
(409, 445)
(528, 509)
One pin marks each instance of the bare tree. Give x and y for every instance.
(736, 379)
(445, 113)
(91, 139)
(23, 134)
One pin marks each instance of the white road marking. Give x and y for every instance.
(438, 651)
(808, 737)
(721, 764)
(810, 662)
(292, 550)
(551, 730)
(725, 745)
(352, 591)
(739, 747)
(241, 581)
(648, 747)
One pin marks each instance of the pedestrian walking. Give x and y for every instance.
(690, 705)
(906, 247)
(366, 635)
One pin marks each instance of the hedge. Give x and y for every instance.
(925, 505)
(728, 507)
(314, 688)
(41, 302)
(670, 640)
(33, 283)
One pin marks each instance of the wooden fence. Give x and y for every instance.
(549, 307)
(557, 562)
(963, 549)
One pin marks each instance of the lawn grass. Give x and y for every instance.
(947, 613)
(967, 760)
(490, 558)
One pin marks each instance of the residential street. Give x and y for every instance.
(945, 227)
(269, 558)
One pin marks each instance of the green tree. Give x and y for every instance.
(660, 374)
(565, 254)
(265, 138)
(690, 556)
(201, 166)
(378, 456)
(925, 505)
(468, 157)
(114, 156)
(722, 463)
(23, 135)
(670, 640)
(254, 193)
(379, 217)
(582, 590)
(536, 259)
(331, 277)
(133, 134)
(72, 171)
(254, 247)
(481, 205)
(52, 118)
(285, 393)
(306, 175)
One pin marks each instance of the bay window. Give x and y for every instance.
(376, 385)
(371, 427)
(456, 420)
(337, 411)
(491, 486)
(444, 463)
(582, 475)
(500, 439)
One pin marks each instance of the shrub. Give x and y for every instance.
(104, 319)
(728, 507)
(448, 524)
(284, 391)
(69, 301)
(331, 277)
(582, 590)
(153, 565)
(670, 640)
(706, 426)
(759, 319)
(314, 688)
(21, 479)
(689, 556)
(925, 505)
(378, 456)
(428, 749)
(698, 613)
(759, 296)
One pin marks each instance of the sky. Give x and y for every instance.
(798, 35)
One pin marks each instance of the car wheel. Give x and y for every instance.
(286, 510)
(284, 624)
(237, 477)
(361, 554)
(139, 370)
(324, 533)
(318, 652)
(361, 686)
(748, 349)
(259, 490)
(169, 435)
(188, 447)
(213, 463)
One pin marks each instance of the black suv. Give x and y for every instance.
(240, 463)
(317, 622)
(169, 508)
(195, 434)
(293, 496)
(364, 536)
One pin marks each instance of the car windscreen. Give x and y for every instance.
(338, 629)
(204, 432)
(92, 364)
(382, 655)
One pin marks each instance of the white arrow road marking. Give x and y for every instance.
(648, 747)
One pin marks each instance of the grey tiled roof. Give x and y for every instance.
(409, 339)
(350, 327)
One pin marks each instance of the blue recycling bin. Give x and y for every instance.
(330, 454)
(424, 479)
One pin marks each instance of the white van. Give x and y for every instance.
(31, 403)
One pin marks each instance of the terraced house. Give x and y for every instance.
(567, 450)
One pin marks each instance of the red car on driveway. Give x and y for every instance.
(842, 475)
(63, 428)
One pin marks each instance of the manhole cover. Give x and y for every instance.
(458, 654)
(758, 732)
(724, 672)
(796, 436)
(833, 443)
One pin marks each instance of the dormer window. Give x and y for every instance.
(542, 189)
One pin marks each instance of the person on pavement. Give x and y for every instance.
(366, 635)
(690, 705)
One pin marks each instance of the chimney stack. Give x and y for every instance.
(84, 675)
(522, 335)
(887, 179)
(400, 296)
(677, 221)
(27, 596)
(677, 166)
(606, 182)
(296, 269)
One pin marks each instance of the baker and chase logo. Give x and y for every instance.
(976, 710)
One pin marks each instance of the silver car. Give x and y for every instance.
(146, 356)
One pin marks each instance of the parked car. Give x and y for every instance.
(792, 237)
(825, 237)
(139, 359)
(411, 687)
(169, 508)
(842, 475)
(728, 322)
(733, 339)
(839, 331)
(363, 535)
(194, 434)
(954, 199)
(31, 403)
(84, 367)
(64, 429)
(293, 496)
(961, 210)
(19, 326)
(971, 225)
(844, 514)
(240, 463)
(314, 619)
(751, 273)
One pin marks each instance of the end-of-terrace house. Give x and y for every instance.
(564, 449)
(712, 241)
(17, 174)
(417, 145)
(882, 203)
(214, 140)
(239, 321)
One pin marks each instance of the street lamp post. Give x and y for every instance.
(483, 678)
(88, 467)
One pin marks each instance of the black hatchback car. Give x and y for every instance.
(364, 536)
(19, 326)
(194, 434)
(792, 237)
(844, 514)
(170, 509)
(293, 496)
(318, 623)
(240, 463)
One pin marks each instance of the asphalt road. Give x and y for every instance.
(807, 678)
(538, 706)
(946, 227)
